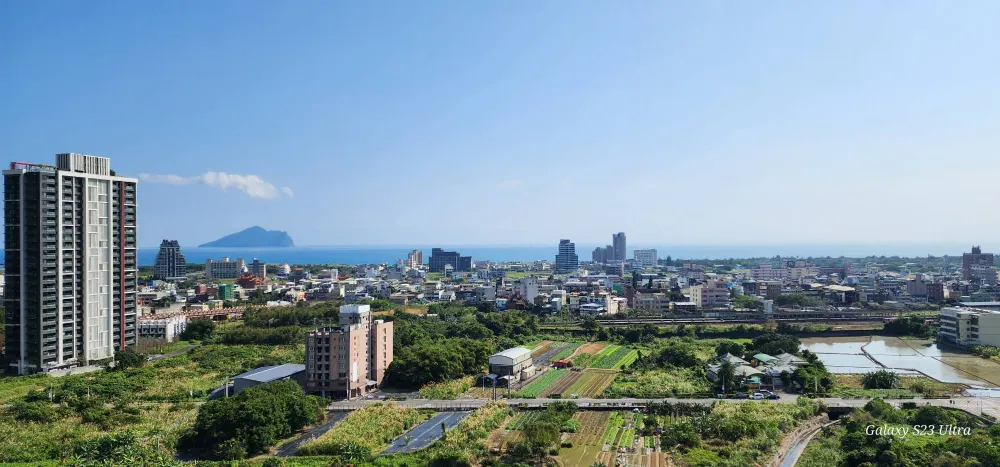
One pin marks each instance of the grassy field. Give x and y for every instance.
(372, 427)
(40, 442)
(910, 386)
(660, 383)
(824, 449)
(448, 389)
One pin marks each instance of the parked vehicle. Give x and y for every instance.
(741, 395)
(772, 396)
(757, 396)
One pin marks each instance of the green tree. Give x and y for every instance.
(128, 358)
(198, 329)
(727, 376)
(729, 347)
(774, 344)
(881, 379)
(253, 420)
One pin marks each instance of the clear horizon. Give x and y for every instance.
(522, 122)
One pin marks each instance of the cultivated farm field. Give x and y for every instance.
(563, 384)
(540, 384)
(592, 383)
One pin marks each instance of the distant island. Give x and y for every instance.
(253, 237)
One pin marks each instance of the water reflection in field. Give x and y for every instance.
(863, 354)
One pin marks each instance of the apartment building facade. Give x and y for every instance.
(346, 361)
(566, 259)
(258, 268)
(70, 245)
(645, 258)
(225, 269)
(170, 262)
(970, 326)
(710, 294)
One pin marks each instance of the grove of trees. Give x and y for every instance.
(252, 421)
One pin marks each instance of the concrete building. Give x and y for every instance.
(527, 287)
(269, 374)
(710, 294)
(597, 255)
(225, 269)
(566, 259)
(917, 287)
(976, 258)
(347, 360)
(167, 328)
(769, 290)
(645, 258)
(257, 268)
(936, 292)
(440, 258)
(656, 302)
(170, 264)
(415, 259)
(767, 272)
(618, 243)
(970, 326)
(511, 362)
(70, 248)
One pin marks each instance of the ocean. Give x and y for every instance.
(371, 255)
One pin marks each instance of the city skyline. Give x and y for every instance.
(710, 114)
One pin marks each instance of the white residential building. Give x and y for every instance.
(225, 269)
(766, 272)
(645, 258)
(167, 329)
(527, 287)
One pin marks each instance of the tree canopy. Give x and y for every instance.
(252, 421)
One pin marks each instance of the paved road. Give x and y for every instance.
(425, 433)
(289, 448)
(974, 405)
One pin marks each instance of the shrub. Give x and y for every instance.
(881, 379)
(37, 411)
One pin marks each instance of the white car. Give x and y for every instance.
(757, 396)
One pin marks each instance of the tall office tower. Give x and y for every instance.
(71, 263)
(170, 262)
(618, 240)
(566, 259)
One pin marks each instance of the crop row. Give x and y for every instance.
(614, 423)
(540, 384)
(565, 352)
(612, 359)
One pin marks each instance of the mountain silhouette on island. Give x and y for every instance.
(253, 237)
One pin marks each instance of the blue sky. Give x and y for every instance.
(522, 122)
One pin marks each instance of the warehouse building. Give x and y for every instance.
(269, 374)
(511, 362)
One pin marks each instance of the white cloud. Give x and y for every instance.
(252, 185)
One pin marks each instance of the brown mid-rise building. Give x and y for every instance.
(347, 360)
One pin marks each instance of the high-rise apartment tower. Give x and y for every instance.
(70, 245)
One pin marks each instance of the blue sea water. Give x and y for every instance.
(390, 254)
